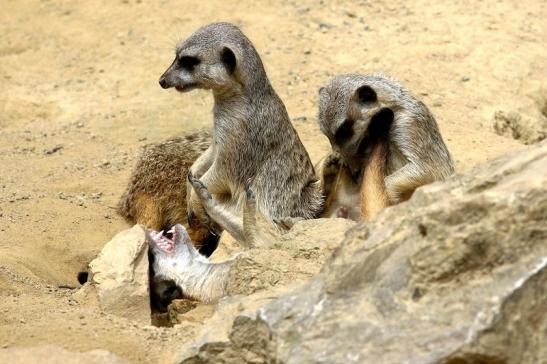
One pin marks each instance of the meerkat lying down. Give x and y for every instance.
(178, 269)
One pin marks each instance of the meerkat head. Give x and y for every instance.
(349, 105)
(168, 251)
(218, 57)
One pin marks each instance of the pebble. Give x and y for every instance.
(53, 150)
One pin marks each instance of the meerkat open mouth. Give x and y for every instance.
(186, 88)
(165, 242)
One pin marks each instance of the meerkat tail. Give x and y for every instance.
(374, 195)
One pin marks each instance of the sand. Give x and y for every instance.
(79, 96)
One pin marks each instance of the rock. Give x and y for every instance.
(527, 129)
(119, 276)
(53, 354)
(527, 123)
(457, 275)
(262, 275)
(295, 257)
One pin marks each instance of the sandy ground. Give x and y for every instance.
(79, 96)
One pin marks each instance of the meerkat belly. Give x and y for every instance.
(346, 203)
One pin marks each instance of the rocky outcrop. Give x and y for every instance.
(119, 276)
(53, 355)
(519, 126)
(457, 275)
(528, 123)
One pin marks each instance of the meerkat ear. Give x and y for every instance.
(321, 90)
(365, 94)
(229, 59)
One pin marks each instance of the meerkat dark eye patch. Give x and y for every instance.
(229, 59)
(365, 95)
(188, 63)
(344, 132)
(381, 123)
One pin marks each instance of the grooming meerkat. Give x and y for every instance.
(156, 193)
(253, 138)
(415, 155)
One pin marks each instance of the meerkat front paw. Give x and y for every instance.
(200, 199)
(328, 171)
(200, 189)
(332, 164)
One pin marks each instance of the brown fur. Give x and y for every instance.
(374, 197)
(156, 193)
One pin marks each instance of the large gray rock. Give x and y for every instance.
(119, 276)
(456, 275)
(50, 354)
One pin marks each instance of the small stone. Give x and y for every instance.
(53, 150)
(465, 79)
(351, 13)
(120, 275)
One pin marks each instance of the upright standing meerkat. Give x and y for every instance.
(253, 139)
(156, 193)
(416, 154)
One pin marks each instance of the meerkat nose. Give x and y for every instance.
(163, 82)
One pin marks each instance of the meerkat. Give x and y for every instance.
(253, 138)
(415, 154)
(179, 270)
(156, 193)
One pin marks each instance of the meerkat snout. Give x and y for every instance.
(181, 74)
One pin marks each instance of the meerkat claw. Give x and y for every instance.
(249, 192)
(200, 188)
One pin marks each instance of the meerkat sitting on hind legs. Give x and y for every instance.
(253, 138)
(412, 153)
